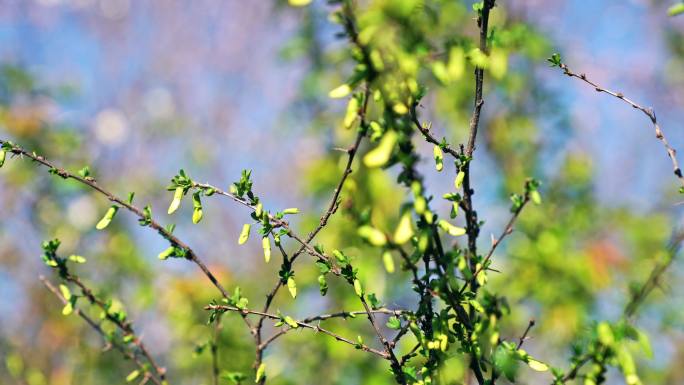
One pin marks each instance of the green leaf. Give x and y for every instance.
(404, 231)
(535, 197)
(291, 210)
(292, 287)
(459, 179)
(450, 229)
(66, 293)
(352, 112)
(393, 323)
(439, 158)
(132, 375)
(261, 370)
(358, 289)
(381, 154)
(197, 208)
(84, 172)
(68, 308)
(372, 235)
(388, 261)
(166, 253)
(322, 285)
(537, 365)
(340, 91)
(107, 219)
(77, 259)
(244, 234)
(291, 322)
(175, 203)
(266, 245)
(676, 9)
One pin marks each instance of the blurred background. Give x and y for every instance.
(137, 90)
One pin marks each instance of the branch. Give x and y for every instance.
(303, 324)
(125, 352)
(648, 111)
(191, 255)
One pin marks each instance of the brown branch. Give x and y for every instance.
(126, 326)
(524, 335)
(123, 350)
(191, 255)
(506, 231)
(648, 111)
(303, 324)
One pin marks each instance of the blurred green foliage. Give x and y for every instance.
(570, 263)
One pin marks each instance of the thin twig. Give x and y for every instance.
(648, 111)
(126, 353)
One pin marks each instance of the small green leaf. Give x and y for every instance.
(292, 287)
(244, 234)
(439, 157)
(352, 112)
(68, 308)
(166, 253)
(394, 323)
(381, 154)
(291, 210)
(535, 197)
(66, 293)
(450, 229)
(261, 370)
(175, 203)
(374, 236)
(132, 375)
(358, 289)
(197, 208)
(404, 231)
(84, 172)
(107, 219)
(459, 179)
(388, 261)
(676, 9)
(340, 91)
(537, 365)
(77, 259)
(266, 244)
(291, 322)
(322, 284)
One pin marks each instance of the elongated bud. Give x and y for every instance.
(404, 231)
(388, 261)
(261, 370)
(259, 210)
(197, 208)
(291, 210)
(340, 91)
(439, 158)
(3, 155)
(292, 287)
(352, 112)
(450, 229)
(358, 289)
(244, 234)
(381, 154)
(266, 244)
(166, 253)
(107, 219)
(535, 197)
(322, 284)
(374, 236)
(459, 179)
(175, 203)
